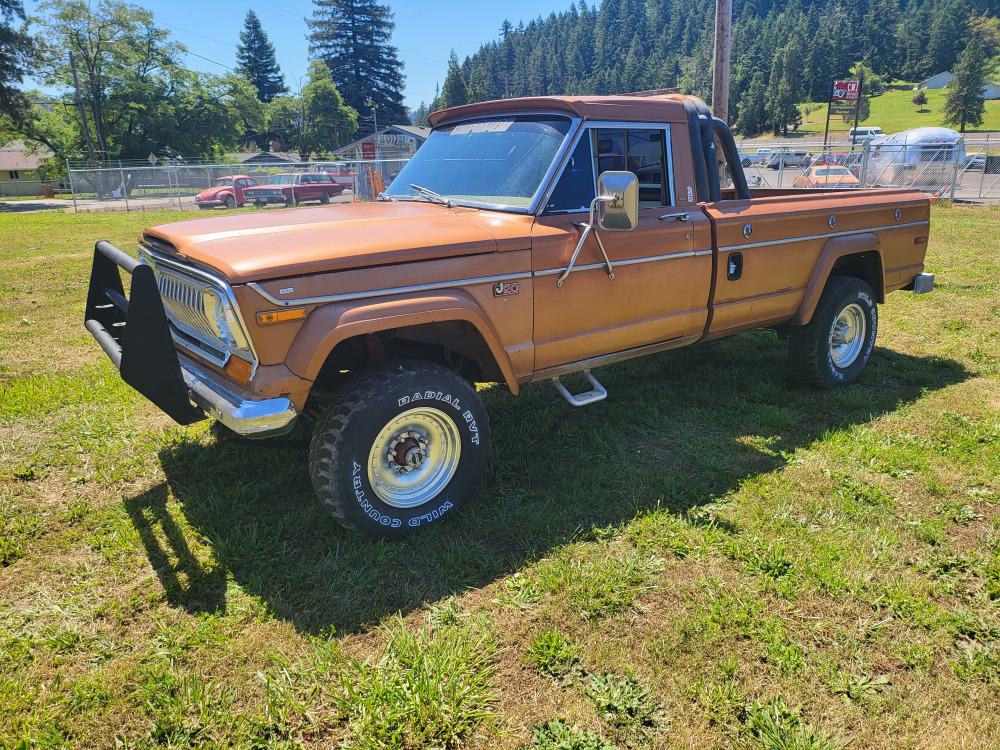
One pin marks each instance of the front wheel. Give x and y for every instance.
(230, 202)
(402, 446)
(325, 198)
(834, 348)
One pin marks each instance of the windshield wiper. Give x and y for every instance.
(430, 194)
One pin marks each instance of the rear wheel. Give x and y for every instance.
(402, 446)
(834, 348)
(230, 201)
(325, 198)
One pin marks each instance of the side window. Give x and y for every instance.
(642, 151)
(251, 182)
(575, 189)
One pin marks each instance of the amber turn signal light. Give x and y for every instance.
(280, 316)
(239, 370)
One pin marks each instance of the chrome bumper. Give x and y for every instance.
(238, 410)
(923, 283)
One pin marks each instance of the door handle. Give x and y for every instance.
(682, 216)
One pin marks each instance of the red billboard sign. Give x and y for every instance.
(846, 91)
(367, 149)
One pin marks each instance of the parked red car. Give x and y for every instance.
(225, 191)
(295, 187)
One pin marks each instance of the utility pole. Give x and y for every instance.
(723, 51)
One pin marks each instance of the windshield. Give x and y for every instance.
(224, 181)
(282, 179)
(499, 161)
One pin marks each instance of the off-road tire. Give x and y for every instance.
(345, 432)
(809, 346)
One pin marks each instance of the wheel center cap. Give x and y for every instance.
(408, 452)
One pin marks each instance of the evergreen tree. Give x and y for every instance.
(455, 91)
(751, 117)
(613, 46)
(256, 60)
(947, 27)
(16, 51)
(419, 115)
(965, 105)
(353, 37)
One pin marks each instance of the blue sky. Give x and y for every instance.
(425, 32)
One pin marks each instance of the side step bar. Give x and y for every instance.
(598, 393)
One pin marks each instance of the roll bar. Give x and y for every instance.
(704, 129)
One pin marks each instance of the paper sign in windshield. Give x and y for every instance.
(493, 126)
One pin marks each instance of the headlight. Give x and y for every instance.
(223, 321)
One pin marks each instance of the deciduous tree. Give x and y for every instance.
(329, 122)
(16, 51)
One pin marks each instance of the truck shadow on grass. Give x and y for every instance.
(678, 430)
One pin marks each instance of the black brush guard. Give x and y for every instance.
(134, 332)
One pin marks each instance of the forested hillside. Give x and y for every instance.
(784, 53)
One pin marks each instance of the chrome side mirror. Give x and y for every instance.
(617, 201)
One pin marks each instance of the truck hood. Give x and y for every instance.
(272, 244)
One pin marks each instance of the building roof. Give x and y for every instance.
(656, 108)
(415, 130)
(265, 156)
(13, 156)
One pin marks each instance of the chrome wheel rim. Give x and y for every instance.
(847, 335)
(414, 457)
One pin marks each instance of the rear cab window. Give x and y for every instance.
(644, 151)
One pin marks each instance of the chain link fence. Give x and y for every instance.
(966, 169)
(166, 186)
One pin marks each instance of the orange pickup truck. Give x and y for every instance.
(526, 239)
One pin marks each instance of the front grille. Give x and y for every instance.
(182, 302)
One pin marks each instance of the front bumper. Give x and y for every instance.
(210, 202)
(271, 198)
(135, 334)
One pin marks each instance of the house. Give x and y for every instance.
(392, 142)
(19, 170)
(942, 80)
(938, 81)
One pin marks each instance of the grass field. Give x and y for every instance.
(712, 558)
(894, 111)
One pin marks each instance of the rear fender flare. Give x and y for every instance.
(835, 249)
(331, 324)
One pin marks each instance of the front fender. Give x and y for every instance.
(331, 324)
(834, 249)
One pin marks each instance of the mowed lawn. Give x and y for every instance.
(714, 557)
(895, 111)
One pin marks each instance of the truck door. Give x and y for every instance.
(662, 268)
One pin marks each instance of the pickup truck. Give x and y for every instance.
(518, 245)
(294, 188)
